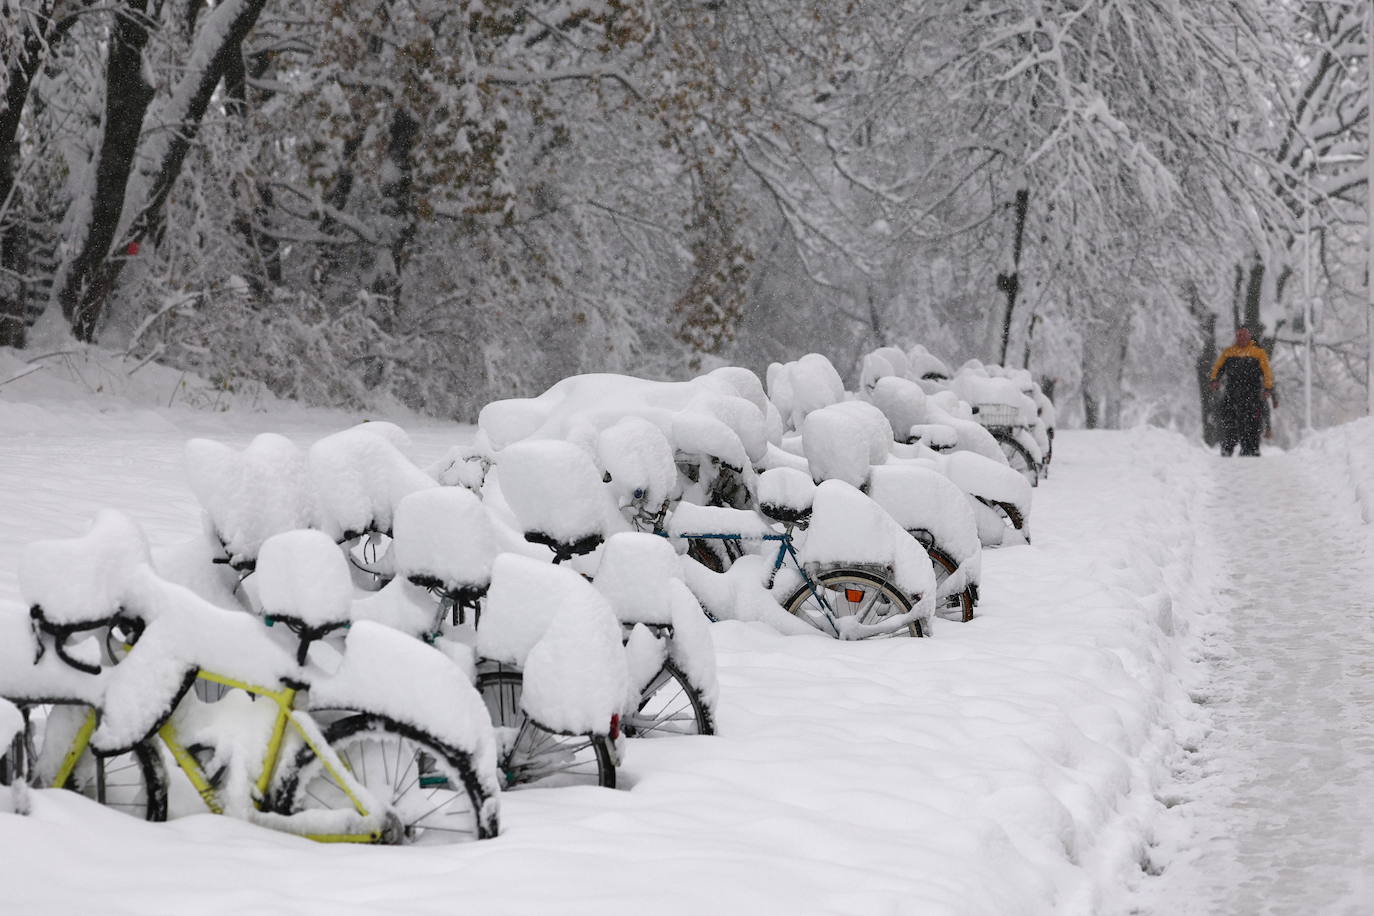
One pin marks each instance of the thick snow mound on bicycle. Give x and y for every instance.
(251, 495)
(553, 624)
(707, 415)
(849, 529)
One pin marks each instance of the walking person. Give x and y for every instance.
(1242, 372)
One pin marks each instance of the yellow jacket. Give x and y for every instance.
(1249, 351)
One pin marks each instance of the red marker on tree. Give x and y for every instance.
(132, 249)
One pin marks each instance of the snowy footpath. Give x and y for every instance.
(1120, 718)
(1276, 803)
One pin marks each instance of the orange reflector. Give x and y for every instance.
(854, 595)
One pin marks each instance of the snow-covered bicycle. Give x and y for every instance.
(342, 755)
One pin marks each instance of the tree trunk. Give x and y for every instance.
(254, 214)
(1211, 432)
(398, 205)
(127, 96)
(14, 261)
(1104, 362)
(1010, 281)
(1030, 341)
(1254, 294)
(221, 39)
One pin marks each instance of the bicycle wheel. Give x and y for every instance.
(434, 797)
(851, 593)
(669, 705)
(958, 606)
(133, 782)
(1018, 457)
(530, 754)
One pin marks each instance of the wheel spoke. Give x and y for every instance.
(860, 608)
(392, 767)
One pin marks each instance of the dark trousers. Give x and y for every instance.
(1241, 424)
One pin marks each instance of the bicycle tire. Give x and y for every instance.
(405, 769)
(835, 580)
(1018, 457)
(669, 705)
(962, 602)
(133, 782)
(530, 754)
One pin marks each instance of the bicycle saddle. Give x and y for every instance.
(303, 582)
(786, 495)
(358, 477)
(557, 495)
(79, 584)
(248, 495)
(443, 539)
(564, 550)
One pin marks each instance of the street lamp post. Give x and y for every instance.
(1369, 202)
(1307, 292)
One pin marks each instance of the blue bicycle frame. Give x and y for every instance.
(785, 550)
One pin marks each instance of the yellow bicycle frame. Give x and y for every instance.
(284, 698)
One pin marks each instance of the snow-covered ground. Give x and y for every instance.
(1031, 761)
(1276, 805)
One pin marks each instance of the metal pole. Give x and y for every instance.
(1307, 299)
(1369, 201)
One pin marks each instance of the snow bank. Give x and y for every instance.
(1351, 445)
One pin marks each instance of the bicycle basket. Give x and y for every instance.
(997, 415)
